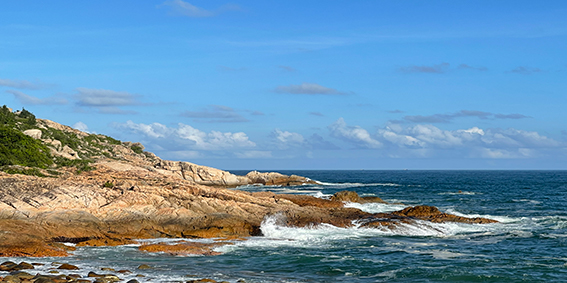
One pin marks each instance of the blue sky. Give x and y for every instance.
(300, 84)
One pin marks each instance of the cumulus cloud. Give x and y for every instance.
(353, 134)
(285, 139)
(473, 142)
(522, 70)
(308, 88)
(32, 100)
(187, 137)
(182, 8)
(447, 118)
(217, 114)
(434, 69)
(81, 127)
(21, 84)
(106, 101)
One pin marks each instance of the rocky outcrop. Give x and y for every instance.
(204, 175)
(132, 194)
(349, 196)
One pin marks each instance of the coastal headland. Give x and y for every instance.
(59, 185)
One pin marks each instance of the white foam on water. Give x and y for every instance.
(323, 235)
(460, 193)
(376, 207)
(527, 200)
(354, 185)
(503, 219)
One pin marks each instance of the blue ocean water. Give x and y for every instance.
(529, 244)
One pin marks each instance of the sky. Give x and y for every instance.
(300, 84)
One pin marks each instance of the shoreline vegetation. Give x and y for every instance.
(59, 185)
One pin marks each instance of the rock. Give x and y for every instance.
(124, 271)
(11, 279)
(133, 281)
(186, 248)
(93, 274)
(7, 266)
(67, 266)
(22, 275)
(144, 266)
(23, 265)
(107, 269)
(34, 133)
(349, 196)
(431, 213)
(304, 200)
(273, 178)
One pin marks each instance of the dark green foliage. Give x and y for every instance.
(137, 149)
(108, 184)
(19, 149)
(28, 116)
(6, 116)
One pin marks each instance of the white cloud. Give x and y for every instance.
(473, 142)
(81, 127)
(308, 88)
(188, 137)
(353, 134)
(285, 139)
(32, 100)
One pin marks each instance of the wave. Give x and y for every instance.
(460, 193)
(376, 207)
(354, 185)
(324, 235)
(502, 219)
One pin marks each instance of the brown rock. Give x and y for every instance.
(144, 266)
(350, 196)
(303, 200)
(186, 248)
(67, 266)
(431, 213)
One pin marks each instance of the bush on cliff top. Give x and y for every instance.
(19, 149)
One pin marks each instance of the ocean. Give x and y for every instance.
(528, 245)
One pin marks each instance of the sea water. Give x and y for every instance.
(528, 244)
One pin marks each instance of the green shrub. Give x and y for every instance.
(19, 149)
(137, 149)
(108, 184)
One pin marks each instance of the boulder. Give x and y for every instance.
(34, 133)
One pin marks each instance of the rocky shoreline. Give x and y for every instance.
(57, 272)
(92, 190)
